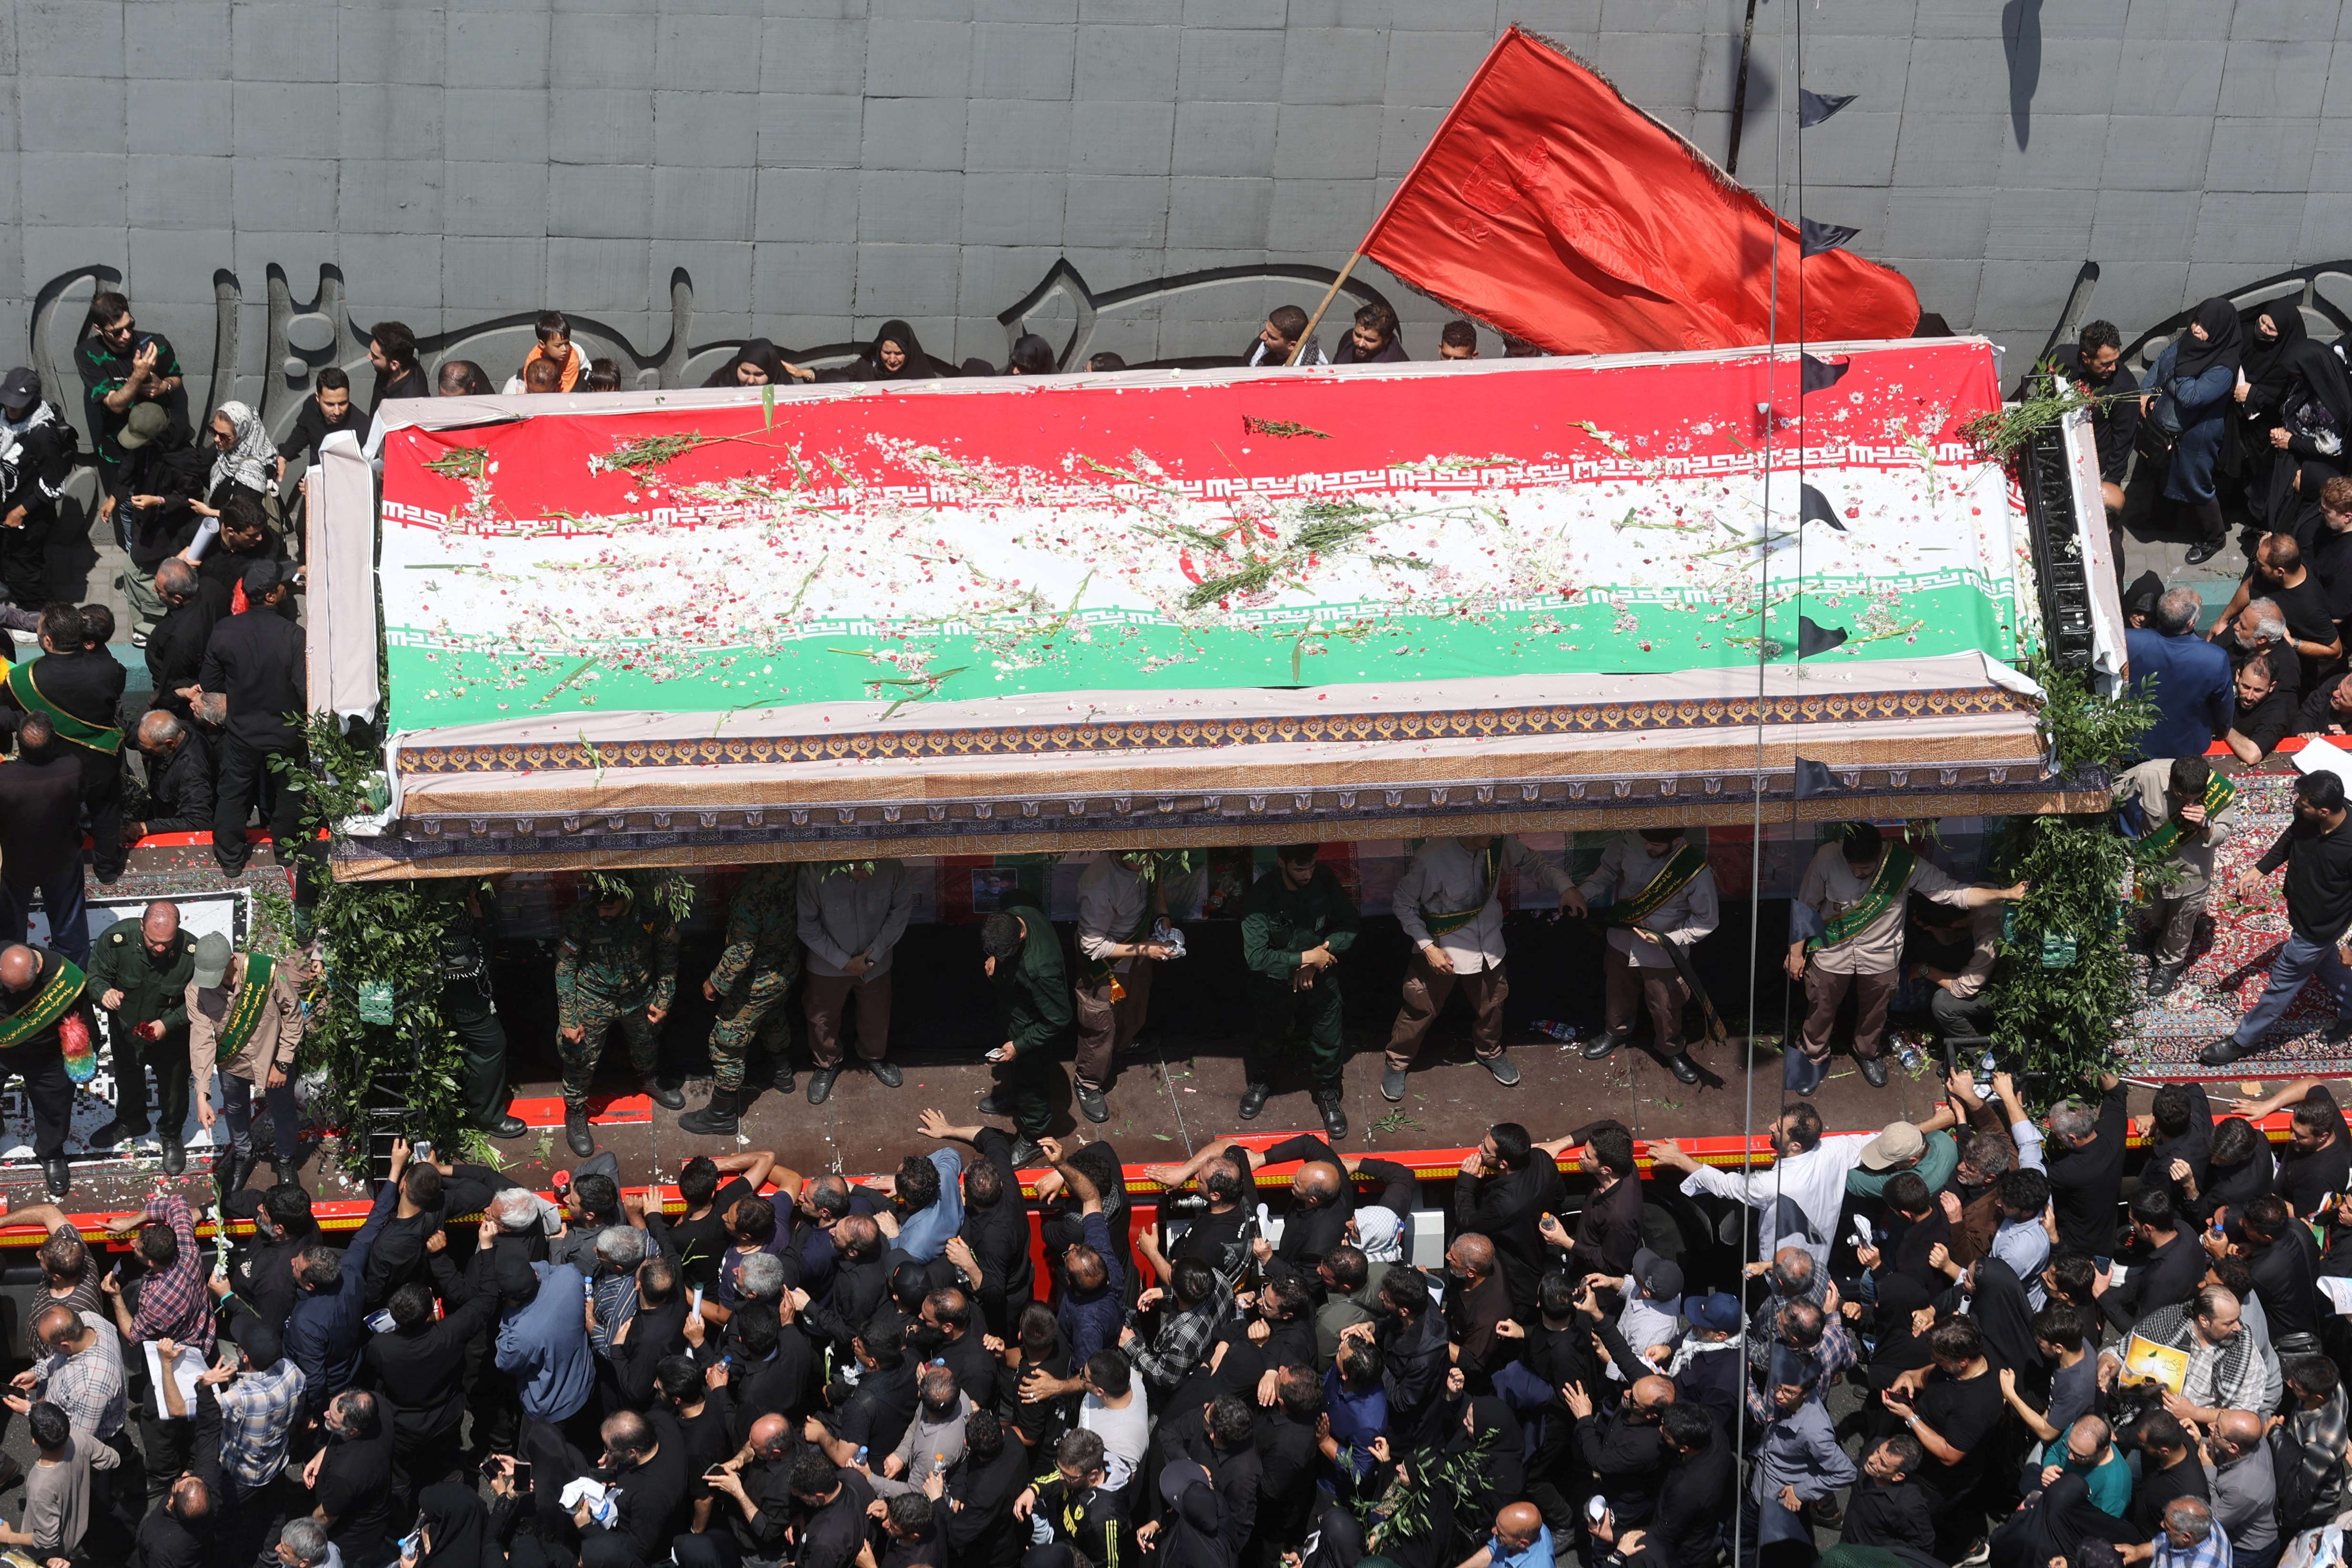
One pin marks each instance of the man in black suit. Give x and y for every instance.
(175, 648)
(80, 690)
(40, 840)
(1696, 1494)
(251, 681)
(655, 1331)
(418, 1367)
(179, 778)
(1502, 1193)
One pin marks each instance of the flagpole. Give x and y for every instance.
(1315, 320)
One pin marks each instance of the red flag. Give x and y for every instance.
(1550, 208)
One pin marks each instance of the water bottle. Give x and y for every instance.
(1907, 1055)
(1986, 1068)
(1555, 1029)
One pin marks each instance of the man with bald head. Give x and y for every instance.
(1476, 1303)
(650, 1477)
(194, 604)
(179, 778)
(755, 1492)
(40, 1004)
(138, 972)
(1625, 1450)
(1322, 1195)
(79, 1371)
(2243, 1487)
(1520, 1541)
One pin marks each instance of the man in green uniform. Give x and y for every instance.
(1023, 953)
(755, 973)
(1295, 922)
(139, 973)
(473, 1016)
(618, 964)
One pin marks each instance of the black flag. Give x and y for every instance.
(1812, 637)
(1821, 374)
(1813, 108)
(1815, 508)
(1820, 238)
(1814, 778)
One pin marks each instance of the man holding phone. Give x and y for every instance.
(122, 367)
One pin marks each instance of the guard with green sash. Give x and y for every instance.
(1449, 903)
(1297, 922)
(40, 1004)
(1654, 891)
(1121, 907)
(245, 1017)
(79, 689)
(2182, 811)
(1846, 934)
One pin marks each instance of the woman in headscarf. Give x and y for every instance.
(757, 364)
(2297, 396)
(2189, 386)
(245, 460)
(1998, 1302)
(894, 355)
(2056, 1523)
(1503, 1474)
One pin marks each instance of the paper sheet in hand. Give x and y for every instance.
(186, 1367)
(2320, 755)
(2144, 1361)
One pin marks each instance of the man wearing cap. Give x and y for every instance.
(1656, 893)
(1651, 1315)
(1449, 902)
(1706, 1367)
(79, 689)
(151, 500)
(1297, 922)
(1846, 934)
(36, 453)
(251, 680)
(140, 974)
(179, 778)
(1901, 1146)
(42, 1016)
(244, 1016)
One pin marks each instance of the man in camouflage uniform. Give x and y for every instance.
(755, 972)
(618, 963)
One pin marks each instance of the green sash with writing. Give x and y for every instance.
(1681, 868)
(80, 731)
(1439, 924)
(57, 993)
(1894, 872)
(246, 1008)
(2218, 793)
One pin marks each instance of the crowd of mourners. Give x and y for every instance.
(2087, 1342)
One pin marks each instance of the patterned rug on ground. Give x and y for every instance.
(2227, 966)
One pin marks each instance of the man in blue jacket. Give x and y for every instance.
(324, 1331)
(2189, 677)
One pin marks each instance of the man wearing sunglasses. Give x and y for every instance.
(122, 367)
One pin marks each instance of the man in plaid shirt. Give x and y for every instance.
(173, 1301)
(258, 1408)
(1200, 1302)
(80, 1374)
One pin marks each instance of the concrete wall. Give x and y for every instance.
(817, 165)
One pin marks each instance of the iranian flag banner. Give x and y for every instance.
(1046, 540)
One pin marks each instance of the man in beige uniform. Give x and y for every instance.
(851, 918)
(1656, 889)
(1119, 900)
(1846, 934)
(2185, 810)
(1449, 903)
(245, 1015)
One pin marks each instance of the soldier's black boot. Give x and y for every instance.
(666, 1095)
(576, 1133)
(717, 1119)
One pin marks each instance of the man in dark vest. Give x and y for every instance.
(42, 1020)
(1295, 922)
(1023, 953)
(140, 974)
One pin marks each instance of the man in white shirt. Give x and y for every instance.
(1798, 1197)
(851, 918)
(1119, 900)
(1450, 904)
(1657, 890)
(1846, 934)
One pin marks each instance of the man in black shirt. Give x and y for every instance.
(1687, 1523)
(2096, 364)
(1077, 1508)
(1887, 1508)
(1608, 1231)
(2169, 1272)
(754, 1491)
(252, 681)
(837, 1500)
(2169, 1469)
(2086, 1169)
(179, 778)
(193, 606)
(418, 1366)
(2318, 1160)
(327, 411)
(2285, 1262)
(40, 840)
(709, 1188)
(1952, 1407)
(2316, 850)
(79, 689)
(354, 1480)
(1505, 1187)
(650, 1479)
(2268, 704)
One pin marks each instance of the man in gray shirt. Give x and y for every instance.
(2244, 1489)
(851, 917)
(58, 1487)
(1798, 1460)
